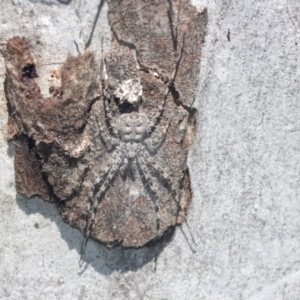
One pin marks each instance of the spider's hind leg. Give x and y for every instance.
(108, 173)
(149, 160)
(149, 181)
(166, 177)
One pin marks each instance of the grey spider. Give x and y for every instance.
(132, 129)
(130, 134)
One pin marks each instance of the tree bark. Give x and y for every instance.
(244, 166)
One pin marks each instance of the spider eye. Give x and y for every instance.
(126, 128)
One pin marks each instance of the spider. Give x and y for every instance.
(131, 133)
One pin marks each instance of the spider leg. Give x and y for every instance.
(109, 171)
(155, 142)
(109, 141)
(116, 165)
(166, 177)
(148, 178)
(157, 116)
(123, 167)
(149, 160)
(109, 116)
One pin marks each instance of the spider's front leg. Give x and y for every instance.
(108, 115)
(102, 181)
(109, 118)
(109, 141)
(171, 85)
(157, 116)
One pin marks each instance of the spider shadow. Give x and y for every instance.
(103, 259)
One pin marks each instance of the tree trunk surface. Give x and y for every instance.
(244, 163)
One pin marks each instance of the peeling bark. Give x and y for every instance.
(63, 142)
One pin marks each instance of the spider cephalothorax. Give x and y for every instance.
(132, 127)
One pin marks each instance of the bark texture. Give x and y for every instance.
(244, 165)
(62, 138)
